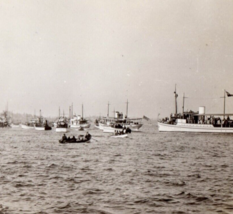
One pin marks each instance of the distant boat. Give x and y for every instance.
(14, 125)
(104, 122)
(30, 124)
(196, 121)
(42, 124)
(61, 125)
(5, 120)
(79, 122)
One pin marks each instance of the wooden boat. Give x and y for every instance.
(119, 136)
(82, 140)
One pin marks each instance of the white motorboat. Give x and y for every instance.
(197, 121)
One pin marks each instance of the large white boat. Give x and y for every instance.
(197, 121)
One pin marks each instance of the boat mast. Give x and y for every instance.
(72, 111)
(108, 110)
(82, 110)
(224, 104)
(40, 117)
(176, 95)
(183, 103)
(59, 112)
(126, 115)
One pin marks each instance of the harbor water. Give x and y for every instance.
(149, 172)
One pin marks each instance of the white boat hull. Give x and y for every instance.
(135, 127)
(27, 127)
(120, 136)
(110, 130)
(61, 129)
(40, 128)
(15, 126)
(85, 126)
(187, 127)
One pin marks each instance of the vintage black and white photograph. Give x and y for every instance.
(116, 106)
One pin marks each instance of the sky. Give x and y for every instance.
(55, 53)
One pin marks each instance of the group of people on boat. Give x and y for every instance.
(123, 131)
(85, 137)
(197, 119)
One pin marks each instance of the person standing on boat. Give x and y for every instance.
(87, 136)
(64, 137)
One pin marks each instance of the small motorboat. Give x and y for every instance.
(119, 136)
(81, 139)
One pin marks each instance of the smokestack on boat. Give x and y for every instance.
(202, 110)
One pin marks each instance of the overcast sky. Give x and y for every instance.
(54, 53)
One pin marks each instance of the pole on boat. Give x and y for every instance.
(126, 115)
(108, 110)
(59, 112)
(82, 110)
(224, 104)
(69, 111)
(183, 103)
(72, 111)
(176, 95)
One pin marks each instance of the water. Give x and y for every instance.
(150, 172)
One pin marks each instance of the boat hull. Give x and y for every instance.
(14, 126)
(120, 136)
(84, 126)
(40, 128)
(135, 127)
(110, 130)
(27, 127)
(61, 129)
(200, 128)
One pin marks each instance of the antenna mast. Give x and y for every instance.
(176, 95)
(126, 115)
(183, 104)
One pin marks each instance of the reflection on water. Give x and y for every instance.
(150, 172)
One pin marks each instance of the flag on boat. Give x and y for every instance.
(146, 118)
(228, 94)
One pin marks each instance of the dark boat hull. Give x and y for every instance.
(76, 141)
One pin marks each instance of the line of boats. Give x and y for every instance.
(116, 124)
(187, 121)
